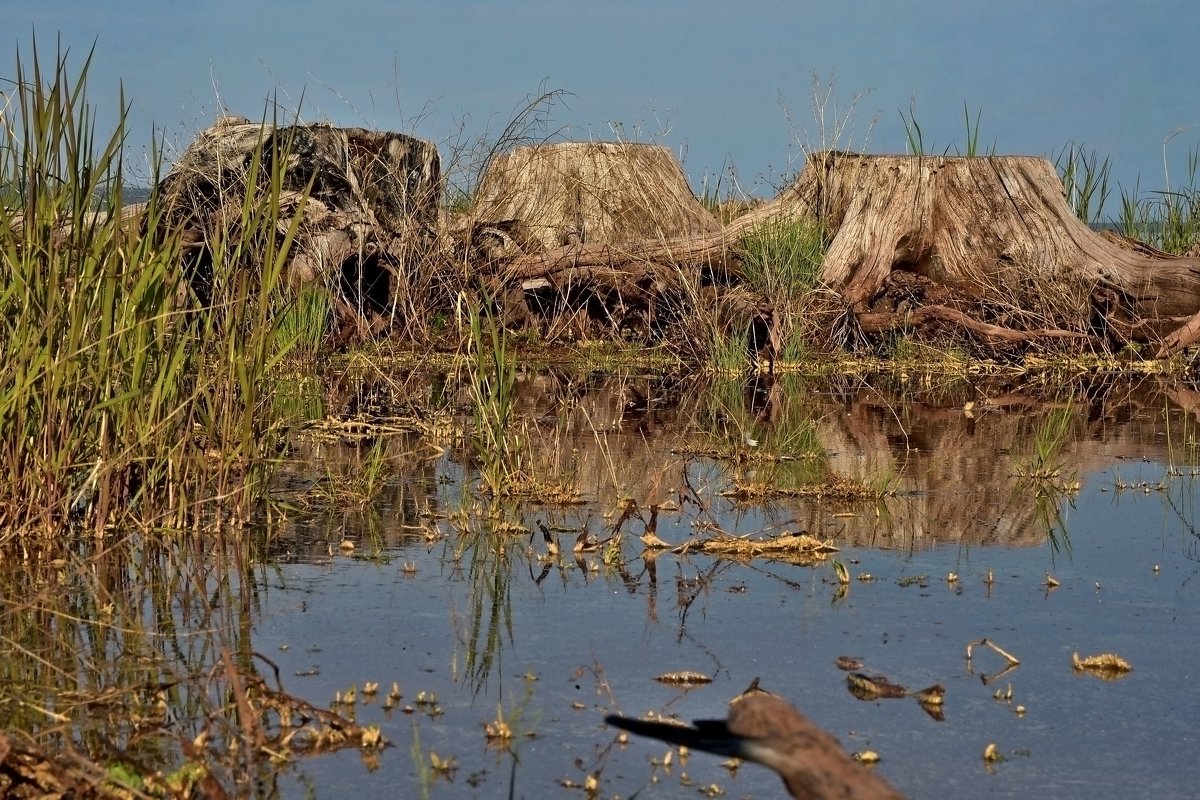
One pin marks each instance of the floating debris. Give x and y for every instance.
(848, 663)
(991, 754)
(786, 546)
(497, 731)
(933, 696)
(1107, 666)
(372, 738)
(843, 574)
(866, 757)
(1009, 657)
(653, 542)
(872, 687)
(683, 678)
(1051, 582)
(442, 766)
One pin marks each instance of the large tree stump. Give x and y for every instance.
(576, 192)
(368, 221)
(594, 195)
(999, 229)
(995, 230)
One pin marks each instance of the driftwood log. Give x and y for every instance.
(995, 230)
(368, 222)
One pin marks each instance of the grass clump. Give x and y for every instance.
(305, 319)
(1170, 219)
(1086, 180)
(492, 375)
(121, 402)
(781, 263)
(781, 258)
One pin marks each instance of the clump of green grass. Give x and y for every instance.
(1170, 219)
(1085, 179)
(492, 375)
(728, 349)
(1045, 457)
(781, 258)
(781, 263)
(120, 403)
(304, 320)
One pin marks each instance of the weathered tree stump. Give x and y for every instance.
(577, 192)
(999, 229)
(592, 195)
(995, 231)
(368, 221)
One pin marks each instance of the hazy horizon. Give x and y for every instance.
(723, 87)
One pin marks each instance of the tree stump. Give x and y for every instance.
(368, 221)
(999, 229)
(993, 235)
(591, 195)
(604, 192)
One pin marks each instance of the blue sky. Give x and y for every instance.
(722, 83)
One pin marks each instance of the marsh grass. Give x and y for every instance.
(358, 484)
(781, 258)
(304, 320)
(1086, 180)
(122, 403)
(1168, 220)
(127, 410)
(491, 369)
(1045, 460)
(781, 261)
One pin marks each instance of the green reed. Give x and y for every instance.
(121, 402)
(492, 376)
(1086, 180)
(1169, 219)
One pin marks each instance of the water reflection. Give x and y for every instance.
(542, 610)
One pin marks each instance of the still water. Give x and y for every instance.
(472, 607)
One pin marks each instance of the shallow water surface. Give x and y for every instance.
(448, 598)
